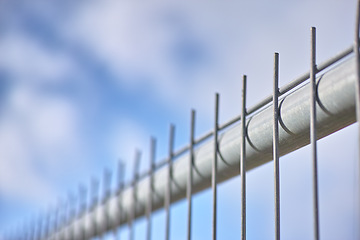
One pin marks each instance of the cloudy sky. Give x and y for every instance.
(85, 83)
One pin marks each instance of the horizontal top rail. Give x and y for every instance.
(283, 90)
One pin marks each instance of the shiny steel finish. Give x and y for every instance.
(95, 200)
(134, 194)
(106, 195)
(190, 174)
(243, 160)
(118, 197)
(357, 86)
(167, 201)
(214, 168)
(82, 208)
(313, 130)
(276, 146)
(150, 197)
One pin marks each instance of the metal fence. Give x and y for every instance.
(311, 107)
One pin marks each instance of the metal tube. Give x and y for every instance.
(243, 160)
(276, 146)
(190, 174)
(214, 167)
(167, 201)
(322, 66)
(337, 96)
(313, 137)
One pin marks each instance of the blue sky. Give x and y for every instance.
(84, 84)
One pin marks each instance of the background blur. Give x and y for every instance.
(84, 83)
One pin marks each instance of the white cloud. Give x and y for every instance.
(40, 140)
(18, 176)
(50, 123)
(28, 60)
(134, 40)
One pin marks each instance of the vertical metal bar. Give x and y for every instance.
(10, 234)
(134, 197)
(190, 173)
(357, 57)
(276, 145)
(33, 227)
(68, 218)
(106, 195)
(47, 224)
(52, 223)
(44, 226)
(62, 219)
(313, 132)
(26, 228)
(39, 228)
(18, 231)
(150, 196)
(82, 208)
(71, 214)
(120, 176)
(21, 232)
(214, 167)
(24, 232)
(243, 160)
(120, 186)
(169, 181)
(56, 222)
(94, 203)
(31, 230)
(107, 185)
(357, 86)
(65, 218)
